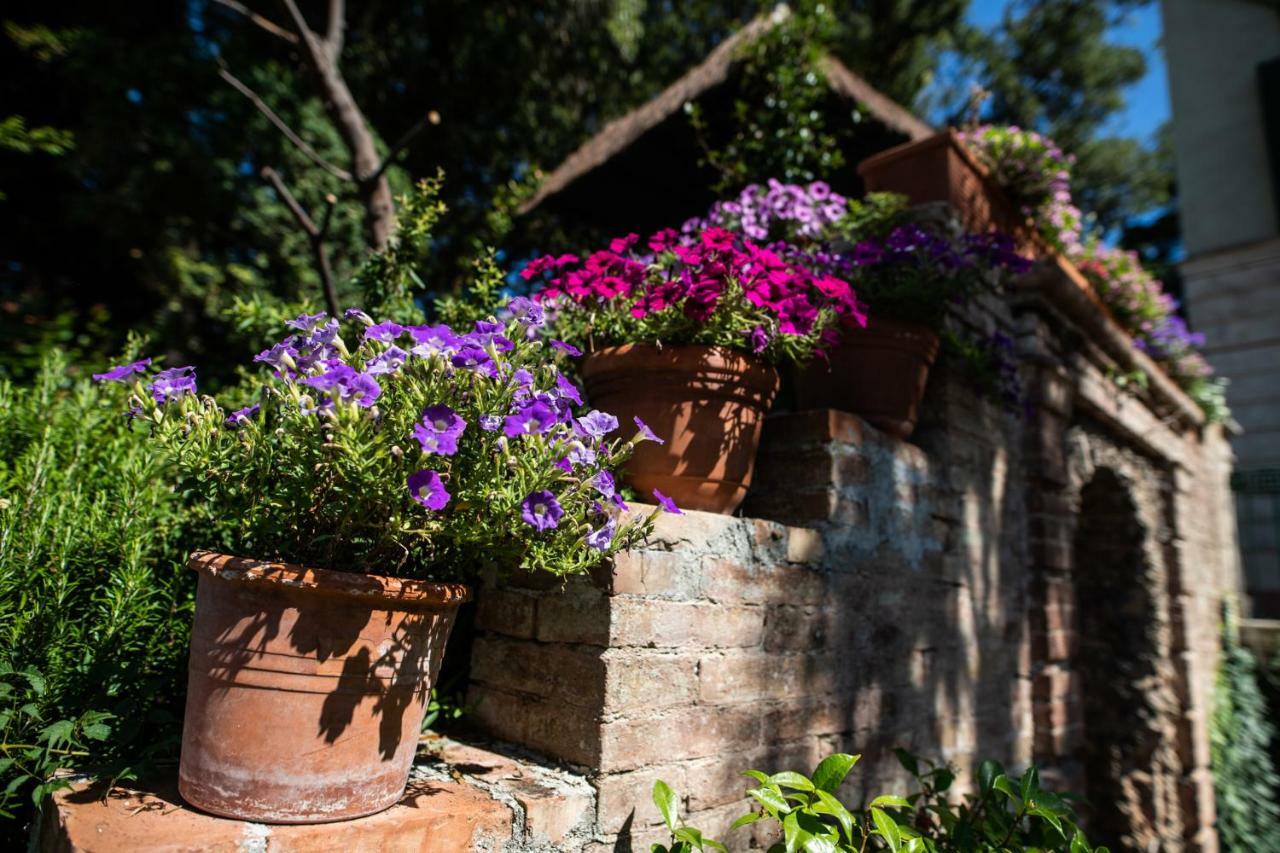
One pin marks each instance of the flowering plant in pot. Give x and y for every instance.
(683, 332)
(909, 273)
(364, 469)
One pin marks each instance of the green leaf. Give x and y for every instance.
(832, 770)
(908, 761)
(792, 835)
(791, 779)
(1030, 783)
(658, 848)
(665, 799)
(891, 800)
(1050, 817)
(1003, 785)
(987, 773)
(828, 804)
(887, 828)
(58, 733)
(771, 799)
(746, 819)
(762, 778)
(820, 845)
(689, 835)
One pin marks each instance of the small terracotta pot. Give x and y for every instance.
(941, 168)
(878, 373)
(708, 403)
(307, 688)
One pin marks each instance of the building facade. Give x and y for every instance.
(1224, 76)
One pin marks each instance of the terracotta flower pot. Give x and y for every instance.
(307, 688)
(878, 373)
(941, 168)
(708, 403)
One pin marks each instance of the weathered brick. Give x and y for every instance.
(641, 679)
(669, 624)
(749, 676)
(665, 574)
(730, 581)
(506, 612)
(578, 615)
(541, 725)
(804, 545)
(571, 674)
(623, 797)
(816, 426)
(629, 744)
(796, 628)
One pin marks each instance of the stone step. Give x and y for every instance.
(460, 798)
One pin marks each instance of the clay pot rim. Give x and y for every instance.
(734, 359)
(327, 581)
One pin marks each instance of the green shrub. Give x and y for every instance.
(1246, 786)
(94, 604)
(1004, 814)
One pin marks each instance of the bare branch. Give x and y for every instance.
(264, 23)
(330, 202)
(297, 140)
(432, 117)
(315, 235)
(318, 53)
(336, 34)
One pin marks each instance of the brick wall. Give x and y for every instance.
(879, 593)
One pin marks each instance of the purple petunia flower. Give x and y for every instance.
(599, 539)
(386, 362)
(526, 311)
(173, 383)
(567, 390)
(350, 384)
(306, 323)
(429, 340)
(239, 416)
(568, 349)
(541, 511)
(597, 424)
(523, 377)
(472, 357)
(605, 485)
(280, 356)
(427, 489)
(357, 314)
(666, 503)
(533, 418)
(385, 331)
(646, 433)
(758, 339)
(123, 372)
(580, 454)
(490, 423)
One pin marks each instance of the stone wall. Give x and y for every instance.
(879, 593)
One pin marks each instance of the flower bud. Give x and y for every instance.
(396, 452)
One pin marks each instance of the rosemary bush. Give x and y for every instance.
(94, 603)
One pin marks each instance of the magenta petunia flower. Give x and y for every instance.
(123, 372)
(666, 503)
(541, 511)
(533, 418)
(428, 490)
(646, 433)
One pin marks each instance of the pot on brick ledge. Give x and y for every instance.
(709, 402)
(307, 688)
(941, 168)
(878, 373)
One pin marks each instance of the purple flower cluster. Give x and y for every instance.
(776, 211)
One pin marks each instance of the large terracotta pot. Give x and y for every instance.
(708, 403)
(878, 373)
(307, 688)
(941, 168)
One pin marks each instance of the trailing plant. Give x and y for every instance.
(1004, 814)
(1037, 174)
(1245, 783)
(709, 287)
(94, 602)
(454, 455)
